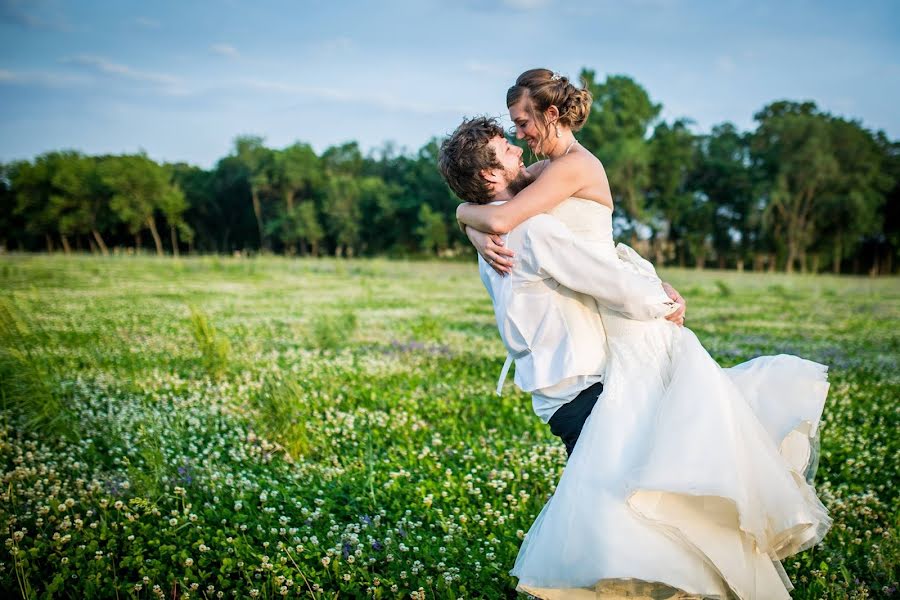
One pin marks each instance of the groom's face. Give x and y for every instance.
(512, 174)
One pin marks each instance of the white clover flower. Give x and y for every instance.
(188, 562)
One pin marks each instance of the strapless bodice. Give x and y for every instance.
(588, 220)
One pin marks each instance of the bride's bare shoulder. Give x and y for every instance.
(585, 161)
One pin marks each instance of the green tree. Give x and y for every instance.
(345, 159)
(80, 198)
(138, 186)
(413, 179)
(8, 217)
(229, 220)
(890, 209)
(378, 212)
(699, 225)
(300, 225)
(297, 175)
(793, 147)
(173, 204)
(206, 212)
(673, 154)
(342, 213)
(309, 229)
(848, 210)
(432, 230)
(616, 133)
(724, 174)
(355, 195)
(33, 187)
(258, 162)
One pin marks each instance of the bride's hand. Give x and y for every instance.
(676, 317)
(492, 250)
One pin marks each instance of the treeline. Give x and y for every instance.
(288, 200)
(804, 191)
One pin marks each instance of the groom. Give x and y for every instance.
(549, 308)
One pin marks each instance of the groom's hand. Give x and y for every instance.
(491, 248)
(677, 316)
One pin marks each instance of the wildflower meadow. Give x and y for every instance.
(268, 427)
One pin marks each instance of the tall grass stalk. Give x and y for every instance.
(30, 385)
(215, 349)
(291, 416)
(331, 332)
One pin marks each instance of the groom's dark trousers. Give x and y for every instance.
(567, 421)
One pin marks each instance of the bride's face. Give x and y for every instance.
(527, 129)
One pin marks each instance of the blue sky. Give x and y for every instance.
(181, 79)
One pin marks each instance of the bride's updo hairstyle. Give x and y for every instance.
(545, 89)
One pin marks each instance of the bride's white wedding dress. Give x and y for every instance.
(688, 480)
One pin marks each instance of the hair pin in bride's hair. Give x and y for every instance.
(555, 77)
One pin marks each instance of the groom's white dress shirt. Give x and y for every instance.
(548, 314)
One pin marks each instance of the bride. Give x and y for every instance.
(688, 480)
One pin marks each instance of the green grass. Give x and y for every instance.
(328, 428)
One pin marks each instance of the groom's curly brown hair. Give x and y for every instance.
(465, 154)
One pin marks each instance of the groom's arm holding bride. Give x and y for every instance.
(576, 265)
(548, 248)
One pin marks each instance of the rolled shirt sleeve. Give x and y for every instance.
(590, 269)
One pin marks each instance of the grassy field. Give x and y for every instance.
(226, 427)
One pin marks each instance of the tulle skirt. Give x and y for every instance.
(688, 480)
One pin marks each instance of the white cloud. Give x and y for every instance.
(226, 50)
(41, 78)
(104, 65)
(165, 83)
